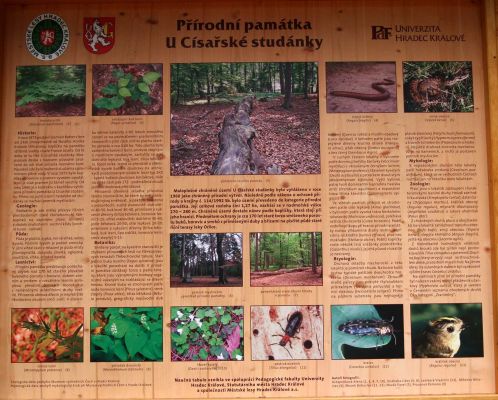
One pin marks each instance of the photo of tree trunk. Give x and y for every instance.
(244, 118)
(205, 259)
(286, 259)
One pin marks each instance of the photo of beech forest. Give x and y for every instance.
(207, 333)
(287, 332)
(46, 335)
(447, 330)
(367, 331)
(126, 334)
(244, 118)
(443, 86)
(205, 259)
(127, 89)
(50, 91)
(286, 259)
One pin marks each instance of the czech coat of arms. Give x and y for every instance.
(99, 34)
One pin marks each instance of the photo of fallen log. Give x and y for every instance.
(237, 154)
(244, 118)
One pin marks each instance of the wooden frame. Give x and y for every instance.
(489, 10)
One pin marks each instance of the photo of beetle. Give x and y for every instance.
(367, 331)
(293, 326)
(369, 327)
(287, 332)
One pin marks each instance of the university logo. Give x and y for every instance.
(99, 34)
(47, 37)
(381, 32)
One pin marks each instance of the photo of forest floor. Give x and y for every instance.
(287, 136)
(292, 277)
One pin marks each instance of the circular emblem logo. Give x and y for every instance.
(47, 37)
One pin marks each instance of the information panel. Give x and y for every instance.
(244, 199)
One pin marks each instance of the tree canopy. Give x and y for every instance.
(223, 81)
(202, 254)
(277, 250)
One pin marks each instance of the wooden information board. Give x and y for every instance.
(250, 199)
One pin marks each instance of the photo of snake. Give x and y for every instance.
(442, 86)
(361, 87)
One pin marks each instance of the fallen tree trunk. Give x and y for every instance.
(237, 153)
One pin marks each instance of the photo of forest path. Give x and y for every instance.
(286, 259)
(50, 91)
(284, 118)
(206, 260)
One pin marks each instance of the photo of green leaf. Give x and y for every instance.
(127, 89)
(126, 334)
(207, 333)
(50, 90)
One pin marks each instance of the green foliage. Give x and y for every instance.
(230, 82)
(126, 87)
(39, 84)
(284, 250)
(200, 253)
(207, 333)
(127, 334)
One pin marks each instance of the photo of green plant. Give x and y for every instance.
(447, 330)
(50, 91)
(442, 86)
(126, 334)
(127, 89)
(207, 333)
(46, 335)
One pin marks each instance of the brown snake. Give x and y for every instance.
(382, 95)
